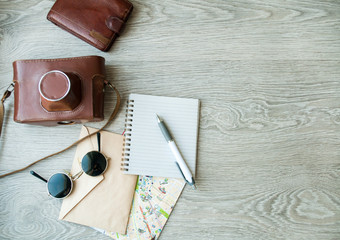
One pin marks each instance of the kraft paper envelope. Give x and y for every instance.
(103, 201)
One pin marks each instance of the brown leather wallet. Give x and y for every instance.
(59, 91)
(97, 22)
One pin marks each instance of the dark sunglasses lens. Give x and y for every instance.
(59, 185)
(93, 163)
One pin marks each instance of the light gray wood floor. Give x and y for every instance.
(268, 76)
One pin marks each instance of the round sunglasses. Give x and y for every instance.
(60, 185)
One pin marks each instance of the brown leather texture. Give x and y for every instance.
(97, 22)
(27, 99)
(60, 91)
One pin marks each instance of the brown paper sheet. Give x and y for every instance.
(104, 201)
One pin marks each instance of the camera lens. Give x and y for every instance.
(60, 91)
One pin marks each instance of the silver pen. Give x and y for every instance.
(182, 166)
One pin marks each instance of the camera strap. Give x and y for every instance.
(113, 114)
(6, 95)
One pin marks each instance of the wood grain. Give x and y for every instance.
(267, 75)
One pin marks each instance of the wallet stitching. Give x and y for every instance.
(80, 36)
(95, 43)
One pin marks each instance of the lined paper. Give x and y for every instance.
(149, 153)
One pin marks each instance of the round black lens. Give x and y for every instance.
(94, 163)
(59, 185)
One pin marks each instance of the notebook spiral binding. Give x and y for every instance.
(127, 134)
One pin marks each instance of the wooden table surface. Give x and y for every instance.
(268, 77)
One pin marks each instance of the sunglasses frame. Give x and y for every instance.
(77, 175)
(82, 170)
(69, 177)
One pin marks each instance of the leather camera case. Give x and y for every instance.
(72, 93)
(97, 22)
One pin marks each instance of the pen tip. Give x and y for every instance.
(158, 119)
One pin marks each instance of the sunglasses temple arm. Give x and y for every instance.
(75, 177)
(38, 176)
(98, 140)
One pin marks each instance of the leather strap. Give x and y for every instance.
(6, 95)
(113, 114)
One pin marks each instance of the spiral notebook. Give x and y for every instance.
(145, 150)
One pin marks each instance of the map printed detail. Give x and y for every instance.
(154, 199)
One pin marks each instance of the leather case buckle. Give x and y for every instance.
(115, 24)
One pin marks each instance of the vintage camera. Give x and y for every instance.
(59, 91)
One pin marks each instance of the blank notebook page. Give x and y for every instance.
(146, 150)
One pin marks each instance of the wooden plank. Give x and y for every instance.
(267, 75)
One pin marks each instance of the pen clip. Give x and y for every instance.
(181, 171)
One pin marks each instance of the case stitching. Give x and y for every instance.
(82, 37)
